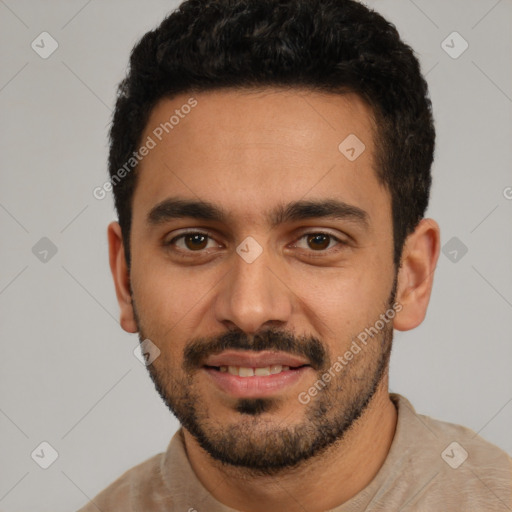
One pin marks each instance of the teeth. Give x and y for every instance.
(243, 371)
(276, 368)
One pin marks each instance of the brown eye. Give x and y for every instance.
(195, 241)
(322, 243)
(318, 241)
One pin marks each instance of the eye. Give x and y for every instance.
(192, 241)
(319, 241)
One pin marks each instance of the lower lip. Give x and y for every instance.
(256, 386)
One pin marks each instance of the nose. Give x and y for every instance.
(253, 295)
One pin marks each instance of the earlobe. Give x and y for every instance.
(416, 274)
(121, 276)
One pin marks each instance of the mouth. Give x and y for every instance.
(247, 363)
(246, 374)
(261, 371)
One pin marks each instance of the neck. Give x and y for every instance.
(344, 469)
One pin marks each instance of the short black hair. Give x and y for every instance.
(335, 46)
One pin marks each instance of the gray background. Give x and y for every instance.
(68, 373)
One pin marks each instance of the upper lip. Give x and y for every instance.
(249, 359)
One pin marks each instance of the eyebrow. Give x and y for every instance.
(177, 208)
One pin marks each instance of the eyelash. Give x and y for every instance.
(188, 252)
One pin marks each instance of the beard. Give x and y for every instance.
(256, 442)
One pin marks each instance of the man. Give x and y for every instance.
(270, 162)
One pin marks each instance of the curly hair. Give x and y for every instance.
(335, 46)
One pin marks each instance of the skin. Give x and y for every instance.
(247, 152)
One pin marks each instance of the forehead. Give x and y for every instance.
(254, 149)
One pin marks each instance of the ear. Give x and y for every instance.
(416, 274)
(121, 276)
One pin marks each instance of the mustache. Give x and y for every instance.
(308, 347)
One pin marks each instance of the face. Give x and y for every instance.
(259, 243)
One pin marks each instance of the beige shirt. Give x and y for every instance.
(432, 466)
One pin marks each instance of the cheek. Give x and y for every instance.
(172, 301)
(161, 296)
(342, 302)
